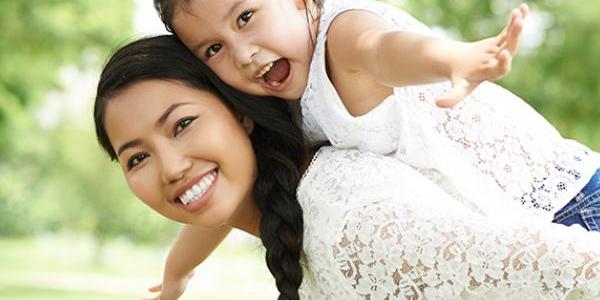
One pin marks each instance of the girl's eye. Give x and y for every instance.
(182, 124)
(212, 50)
(244, 18)
(135, 160)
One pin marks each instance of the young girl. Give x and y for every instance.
(372, 228)
(354, 63)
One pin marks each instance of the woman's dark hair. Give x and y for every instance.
(277, 142)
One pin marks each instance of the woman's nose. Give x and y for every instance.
(174, 164)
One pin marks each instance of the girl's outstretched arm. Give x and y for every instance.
(360, 42)
(192, 247)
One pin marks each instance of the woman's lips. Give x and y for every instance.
(200, 193)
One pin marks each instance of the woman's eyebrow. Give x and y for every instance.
(161, 120)
(128, 145)
(168, 111)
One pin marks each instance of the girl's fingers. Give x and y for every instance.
(507, 29)
(524, 10)
(189, 276)
(504, 62)
(446, 102)
(459, 91)
(509, 37)
(155, 288)
(498, 66)
(512, 41)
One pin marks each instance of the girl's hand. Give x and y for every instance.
(488, 59)
(169, 290)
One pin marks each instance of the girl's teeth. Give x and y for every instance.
(266, 69)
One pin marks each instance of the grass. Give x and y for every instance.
(67, 267)
(29, 293)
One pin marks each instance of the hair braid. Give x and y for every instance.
(281, 227)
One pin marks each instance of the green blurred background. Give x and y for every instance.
(69, 227)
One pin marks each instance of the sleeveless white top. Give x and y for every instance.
(490, 143)
(374, 228)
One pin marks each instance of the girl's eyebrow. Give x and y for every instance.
(230, 11)
(161, 120)
(233, 7)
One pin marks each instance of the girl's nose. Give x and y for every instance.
(244, 54)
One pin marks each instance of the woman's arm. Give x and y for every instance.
(360, 41)
(192, 247)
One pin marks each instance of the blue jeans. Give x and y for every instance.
(584, 209)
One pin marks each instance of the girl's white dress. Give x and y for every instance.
(377, 229)
(490, 149)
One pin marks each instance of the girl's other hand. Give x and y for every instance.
(487, 59)
(169, 290)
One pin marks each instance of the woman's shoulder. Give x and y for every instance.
(344, 173)
(352, 160)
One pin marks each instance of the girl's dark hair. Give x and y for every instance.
(277, 142)
(166, 9)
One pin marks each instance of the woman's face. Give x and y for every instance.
(183, 152)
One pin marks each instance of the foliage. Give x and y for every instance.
(38, 37)
(54, 178)
(560, 77)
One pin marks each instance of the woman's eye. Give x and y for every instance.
(135, 160)
(182, 124)
(212, 50)
(244, 18)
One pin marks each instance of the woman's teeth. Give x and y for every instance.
(264, 70)
(199, 189)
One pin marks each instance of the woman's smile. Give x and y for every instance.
(195, 196)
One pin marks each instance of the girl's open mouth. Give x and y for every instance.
(276, 74)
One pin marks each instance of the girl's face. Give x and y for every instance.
(177, 145)
(260, 47)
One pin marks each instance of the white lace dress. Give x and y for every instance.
(491, 144)
(376, 229)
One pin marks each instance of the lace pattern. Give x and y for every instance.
(376, 229)
(530, 164)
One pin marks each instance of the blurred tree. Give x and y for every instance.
(38, 37)
(559, 77)
(55, 177)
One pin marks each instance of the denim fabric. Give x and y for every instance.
(584, 209)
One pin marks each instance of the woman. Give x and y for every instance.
(363, 226)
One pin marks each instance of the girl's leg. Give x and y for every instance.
(584, 209)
